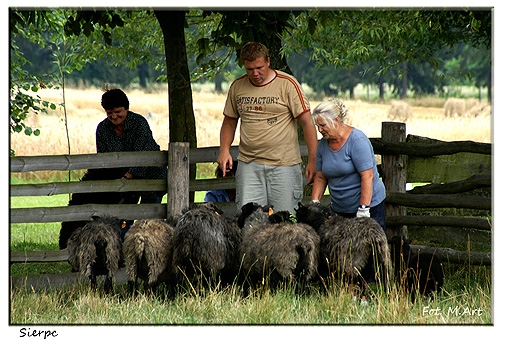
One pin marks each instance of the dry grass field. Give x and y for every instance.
(84, 112)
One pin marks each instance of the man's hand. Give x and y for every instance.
(225, 162)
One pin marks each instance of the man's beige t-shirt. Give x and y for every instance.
(268, 128)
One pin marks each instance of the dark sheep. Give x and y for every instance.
(277, 253)
(148, 252)
(233, 235)
(354, 249)
(67, 228)
(205, 246)
(282, 217)
(96, 249)
(417, 273)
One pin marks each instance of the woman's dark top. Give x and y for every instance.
(137, 136)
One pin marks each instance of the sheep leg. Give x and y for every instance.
(149, 288)
(131, 287)
(132, 277)
(172, 287)
(246, 288)
(301, 286)
(93, 282)
(107, 287)
(413, 284)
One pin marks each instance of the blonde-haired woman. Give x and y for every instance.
(345, 162)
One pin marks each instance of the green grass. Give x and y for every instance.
(79, 305)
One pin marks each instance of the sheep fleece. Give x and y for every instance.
(199, 238)
(82, 247)
(277, 245)
(350, 242)
(147, 250)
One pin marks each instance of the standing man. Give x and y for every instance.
(268, 102)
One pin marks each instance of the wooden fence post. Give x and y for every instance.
(394, 174)
(178, 177)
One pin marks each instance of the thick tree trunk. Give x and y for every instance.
(278, 61)
(182, 117)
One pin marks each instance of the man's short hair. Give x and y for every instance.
(252, 51)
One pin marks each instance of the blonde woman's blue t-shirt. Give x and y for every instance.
(342, 168)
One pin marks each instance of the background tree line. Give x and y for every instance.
(331, 51)
(463, 65)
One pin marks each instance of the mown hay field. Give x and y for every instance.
(84, 112)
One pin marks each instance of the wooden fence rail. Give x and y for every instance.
(444, 254)
(429, 149)
(450, 168)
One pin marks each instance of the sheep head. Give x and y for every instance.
(214, 208)
(204, 206)
(113, 221)
(400, 246)
(314, 214)
(253, 212)
(282, 217)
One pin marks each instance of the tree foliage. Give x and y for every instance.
(68, 53)
(84, 22)
(235, 28)
(22, 84)
(402, 47)
(348, 47)
(388, 37)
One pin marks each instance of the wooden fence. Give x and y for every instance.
(448, 168)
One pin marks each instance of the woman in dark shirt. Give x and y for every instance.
(124, 130)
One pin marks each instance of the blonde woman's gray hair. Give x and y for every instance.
(329, 110)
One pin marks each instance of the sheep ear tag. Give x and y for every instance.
(123, 224)
(271, 211)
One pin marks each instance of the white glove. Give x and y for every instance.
(363, 212)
